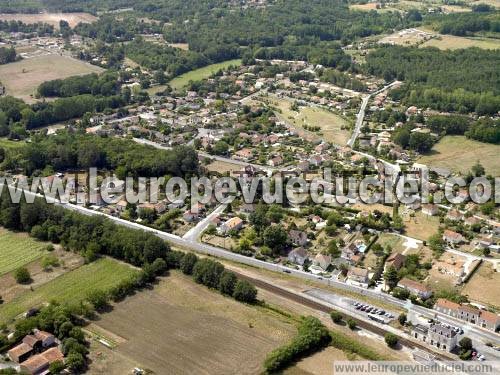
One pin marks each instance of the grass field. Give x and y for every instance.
(482, 287)
(22, 78)
(188, 329)
(71, 287)
(51, 18)
(457, 42)
(459, 154)
(18, 249)
(330, 124)
(202, 73)
(10, 145)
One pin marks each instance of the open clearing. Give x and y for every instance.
(51, 18)
(18, 249)
(457, 42)
(71, 287)
(202, 73)
(459, 154)
(421, 226)
(482, 287)
(22, 78)
(188, 329)
(332, 126)
(10, 144)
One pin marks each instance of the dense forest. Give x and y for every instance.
(467, 23)
(465, 80)
(70, 151)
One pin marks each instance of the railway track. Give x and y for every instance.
(320, 307)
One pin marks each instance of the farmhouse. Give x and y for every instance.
(415, 287)
(20, 352)
(454, 215)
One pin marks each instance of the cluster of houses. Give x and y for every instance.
(36, 353)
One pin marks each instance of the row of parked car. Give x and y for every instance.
(372, 310)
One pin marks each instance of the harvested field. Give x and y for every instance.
(458, 42)
(191, 329)
(332, 127)
(22, 78)
(51, 18)
(482, 287)
(459, 154)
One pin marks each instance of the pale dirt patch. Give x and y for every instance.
(483, 287)
(51, 18)
(186, 328)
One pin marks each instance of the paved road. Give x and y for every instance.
(361, 114)
(194, 233)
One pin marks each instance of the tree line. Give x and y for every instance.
(71, 151)
(39, 28)
(7, 55)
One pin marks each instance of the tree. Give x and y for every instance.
(207, 272)
(391, 339)
(402, 319)
(75, 361)
(245, 292)
(98, 299)
(336, 316)
(227, 282)
(275, 236)
(465, 343)
(49, 261)
(436, 243)
(351, 323)
(22, 275)
(56, 367)
(477, 169)
(220, 148)
(187, 263)
(421, 142)
(391, 277)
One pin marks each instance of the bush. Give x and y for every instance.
(402, 319)
(56, 367)
(391, 339)
(22, 275)
(245, 292)
(336, 317)
(351, 323)
(49, 261)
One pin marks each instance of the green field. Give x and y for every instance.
(17, 250)
(202, 73)
(9, 145)
(72, 287)
(459, 154)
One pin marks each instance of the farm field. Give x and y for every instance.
(51, 18)
(18, 249)
(459, 154)
(330, 124)
(421, 226)
(202, 73)
(71, 287)
(457, 42)
(22, 78)
(482, 287)
(191, 329)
